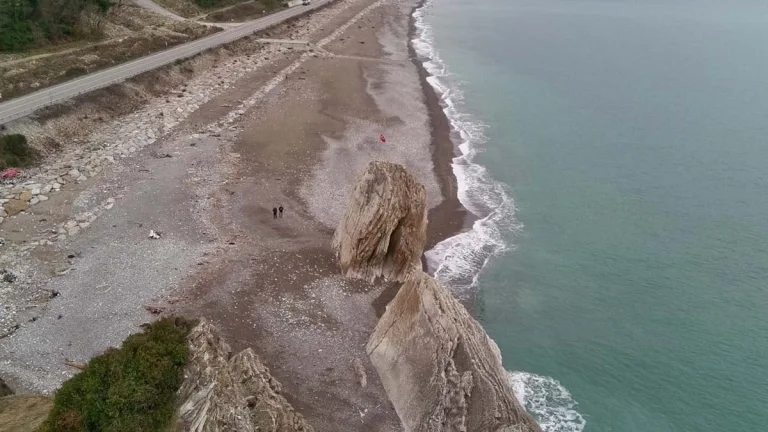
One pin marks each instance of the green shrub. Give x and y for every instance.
(15, 152)
(131, 389)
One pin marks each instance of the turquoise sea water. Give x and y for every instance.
(618, 152)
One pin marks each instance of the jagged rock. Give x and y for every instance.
(440, 369)
(384, 230)
(231, 393)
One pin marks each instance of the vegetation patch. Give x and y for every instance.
(26, 24)
(15, 152)
(128, 389)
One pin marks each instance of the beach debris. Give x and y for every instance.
(10, 173)
(55, 294)
(382, 138)
(155, 310)
(76, 365)
(62, 271)
(7, 276)
(154, 235)
(10, 331)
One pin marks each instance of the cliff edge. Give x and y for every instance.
(440, 369)
(222, 392)
(384, 230)
(438, 366)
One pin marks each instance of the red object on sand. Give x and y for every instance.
(10, 173)
(382, 139)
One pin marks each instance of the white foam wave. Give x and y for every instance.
(548, 402)
(458, 261)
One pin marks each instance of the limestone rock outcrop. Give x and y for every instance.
(440, 369)
(222, 392)
(384, 230)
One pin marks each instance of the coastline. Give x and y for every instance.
(271, 285)
(450, 217)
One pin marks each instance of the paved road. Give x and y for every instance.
(154, 7)
(25, 105)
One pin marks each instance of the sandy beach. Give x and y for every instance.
(296, 130)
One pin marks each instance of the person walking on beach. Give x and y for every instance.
(281, 211)
(274, 212)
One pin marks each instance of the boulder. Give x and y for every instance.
(15, 206)
(440, 369)
(384, 230)
(222, 392)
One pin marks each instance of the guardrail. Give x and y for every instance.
(23, 106)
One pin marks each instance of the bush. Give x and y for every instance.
(131, 389)
(15, 152)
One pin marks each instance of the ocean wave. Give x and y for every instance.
(547, 401)
(458, 261)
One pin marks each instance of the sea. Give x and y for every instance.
(615, 153)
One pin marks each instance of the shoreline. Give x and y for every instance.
(269, 285)
(451, 217)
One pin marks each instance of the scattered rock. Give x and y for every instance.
(154, 235)
(7, 276)
(362, 377)
(4, 389)
(155, 310)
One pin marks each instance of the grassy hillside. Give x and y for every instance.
(128, 389)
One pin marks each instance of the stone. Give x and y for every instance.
(25, 196)
(42, 198)
(46, 189)
(225, 392)
(74, 173)
(82, 178)
(385, 228)
(15, 206)
(73, 231)
(438, 366)
(4, 389)
(34, 201)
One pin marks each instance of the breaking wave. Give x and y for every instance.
(458, 261)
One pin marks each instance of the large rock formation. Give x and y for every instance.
(384, 230)
(231, 393)
(440, 369)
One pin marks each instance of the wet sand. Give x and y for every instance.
(276, 288)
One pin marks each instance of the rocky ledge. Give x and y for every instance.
(222, 392)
